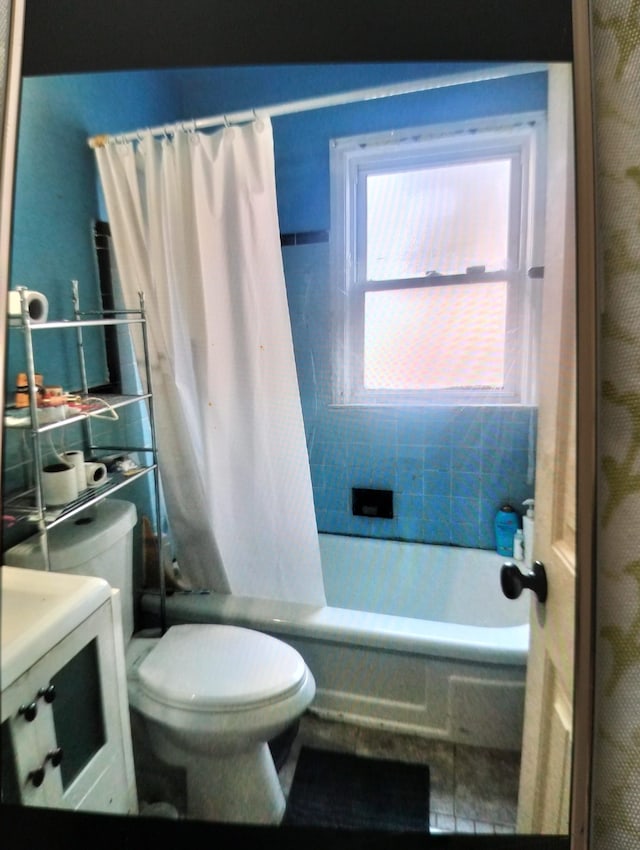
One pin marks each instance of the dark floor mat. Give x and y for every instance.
(344, 791)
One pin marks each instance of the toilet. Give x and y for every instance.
(210, 697)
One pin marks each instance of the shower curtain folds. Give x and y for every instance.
(194, 225)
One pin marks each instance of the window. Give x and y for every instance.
(434, 232)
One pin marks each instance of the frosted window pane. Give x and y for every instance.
(443, 219)
(438, 337)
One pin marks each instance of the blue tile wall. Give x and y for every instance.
(450, 468)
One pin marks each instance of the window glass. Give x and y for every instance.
(442, 219)
(77, 712)
(437, 337)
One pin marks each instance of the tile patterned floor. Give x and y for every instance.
(473, 790)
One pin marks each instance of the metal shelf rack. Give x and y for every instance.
(29, 505)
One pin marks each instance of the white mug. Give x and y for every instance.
(59, 484)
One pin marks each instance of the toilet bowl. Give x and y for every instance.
(210, 697)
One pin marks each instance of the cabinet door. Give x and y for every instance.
(77, 737)
(27, 777)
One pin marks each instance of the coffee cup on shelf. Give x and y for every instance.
(59, 484)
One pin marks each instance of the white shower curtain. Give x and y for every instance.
(194, 225)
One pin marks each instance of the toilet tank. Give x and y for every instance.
(98, 542)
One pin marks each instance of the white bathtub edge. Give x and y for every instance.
(506, 645)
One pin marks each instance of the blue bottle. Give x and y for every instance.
(506, 524)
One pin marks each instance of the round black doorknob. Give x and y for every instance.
(36, 777)
(49, 693)
(55, 756)
(29, 711)
(513, 581)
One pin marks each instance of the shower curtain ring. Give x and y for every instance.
(193, 135)
(257, 120)
(226, 121)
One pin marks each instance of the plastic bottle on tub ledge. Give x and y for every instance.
(527, 527)
(506, 524)
(518, 545)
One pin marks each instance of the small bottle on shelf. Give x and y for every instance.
(22, 389)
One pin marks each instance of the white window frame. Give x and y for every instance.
(519, 136)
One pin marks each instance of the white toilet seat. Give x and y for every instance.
(220, 682)
(219, 668)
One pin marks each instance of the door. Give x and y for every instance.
(545, 778)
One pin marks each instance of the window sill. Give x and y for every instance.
(374, 405)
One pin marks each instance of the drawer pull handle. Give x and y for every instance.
(29, 712)
(36, 777)
(55, 756)
(49, 693)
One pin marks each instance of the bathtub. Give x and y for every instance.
(415, 638)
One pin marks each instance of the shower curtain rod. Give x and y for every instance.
(356, 96)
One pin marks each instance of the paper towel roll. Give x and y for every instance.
(37, 305)
(59, 484)
(76, 458)
(95, 473)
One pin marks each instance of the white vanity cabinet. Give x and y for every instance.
(66, 739)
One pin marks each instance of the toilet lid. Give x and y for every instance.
(209, 667)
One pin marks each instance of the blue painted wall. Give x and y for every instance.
(56, 205)
(450, 469)
(57, 201)
(302, 140)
